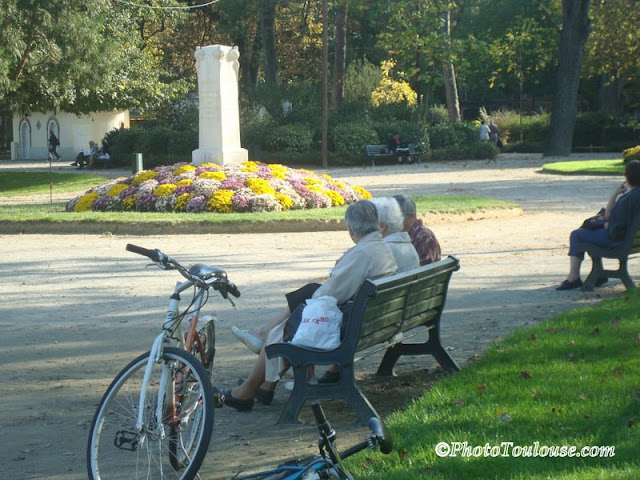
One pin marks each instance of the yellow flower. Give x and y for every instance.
(312, 181)
(278, 171)
(213, 175)
(164, 190)
(336, 198)
(143, 177)
(209, 165)
(129, 203)
(363, 193)
(284, 200)
(85, 203)
(260, 186)
(182, 201)
(184, 169)
(115, 190)
(339, 184)
(220, 201)
(184, 182)
(315, 188)
(250, 166)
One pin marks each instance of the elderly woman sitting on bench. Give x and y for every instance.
(371, 257)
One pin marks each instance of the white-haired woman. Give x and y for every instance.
(391, 224)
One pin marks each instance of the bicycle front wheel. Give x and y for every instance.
(171, 450)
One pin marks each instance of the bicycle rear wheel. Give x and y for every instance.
(117, 450)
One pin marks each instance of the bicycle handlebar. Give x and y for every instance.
(155, 255)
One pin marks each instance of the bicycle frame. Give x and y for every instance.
(168, 337)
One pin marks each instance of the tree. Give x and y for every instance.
(340, 60)
(574, 34)
(268, 33)
(612, 50)
(76, 55)
(448, 70)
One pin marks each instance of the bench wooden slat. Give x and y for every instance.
(383, 311)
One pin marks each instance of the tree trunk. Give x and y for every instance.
(340, 60)
(610, 94)
(268, 33)
(575, 30)
(449, 73)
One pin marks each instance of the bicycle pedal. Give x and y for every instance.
(218, 400)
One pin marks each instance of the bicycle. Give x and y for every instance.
(156, 418)
(328, 464)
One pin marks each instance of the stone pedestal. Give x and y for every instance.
(219, 138)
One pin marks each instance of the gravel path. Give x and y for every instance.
(66, 330)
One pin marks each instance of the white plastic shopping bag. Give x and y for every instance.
(320, 324)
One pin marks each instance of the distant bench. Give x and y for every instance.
(385, 313)
(630, 245)
(383, 152)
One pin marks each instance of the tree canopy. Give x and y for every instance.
(84, 55)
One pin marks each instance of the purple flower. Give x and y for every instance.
(232, 183)
(241, 202)
(128, 192)
(180, 189)
(197, 204)
(146, 202)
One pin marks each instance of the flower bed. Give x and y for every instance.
(244, 187)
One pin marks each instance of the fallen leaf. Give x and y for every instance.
(505, 418)
(460, 401)
(403, 453)
(555, 410)
(631, 422)
(595, 331)
(481, 388)
(533, 337)
(583, 397)
(525, 374)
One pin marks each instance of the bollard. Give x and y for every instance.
(136, 164)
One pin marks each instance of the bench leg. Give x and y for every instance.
(624, 275)
(594, 275)
(346, 389)
(430, 347)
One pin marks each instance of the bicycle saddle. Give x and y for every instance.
(205, 271)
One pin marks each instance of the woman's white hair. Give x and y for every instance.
(389, 212)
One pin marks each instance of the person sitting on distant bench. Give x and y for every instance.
(87, 157)
(398, 148)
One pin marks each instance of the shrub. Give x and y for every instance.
(182, 143)
(154, 140)
(473, 151)
(444, 135)
(295, 137)
(122, 144)
(524, 147)
(632, 153)
(349, 138)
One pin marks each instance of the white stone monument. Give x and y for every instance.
(219, 139)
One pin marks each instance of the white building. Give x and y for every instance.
(31, 132)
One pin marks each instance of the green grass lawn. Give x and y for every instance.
(573, 381)
(586, 167)
(30, 183)
(18, 183)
